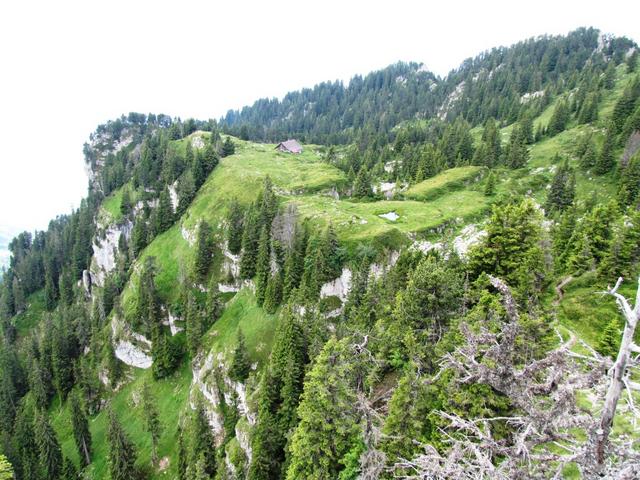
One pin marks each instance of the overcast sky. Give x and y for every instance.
(66, 66)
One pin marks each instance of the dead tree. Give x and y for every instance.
(619, 370)
(543, 394)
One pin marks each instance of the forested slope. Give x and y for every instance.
(416, 295)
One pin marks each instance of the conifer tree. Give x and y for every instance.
(559, 118)
(202, 446)
(563, 186)
(6, 469)
(49, 453)
(490, 185)
(362, 185)
(250, 242)
(629, 190)
(122, 453)
(163, 354)
(186, 191)
(69, 470)
(606, 161)
(125, 203)
(204, 251)
(215, 304)
(273, 293)
(517, 154)
(194, 325)
(263, 266)
(81, 433)
(235, 218)
(164, 212)
(228, 147)
(183, 456)
(151, 420)
(331, 254)
(328, 426)
(609, 341)
(407, 423)
(240, 363)
(294, 264)
(139, 236)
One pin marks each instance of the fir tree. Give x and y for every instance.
(609, 341)
(331, 254)
(240, 363)
(69, 470)
(629, 190)
(215, 304)
(125, 203)
(517, 154)
(294, 264)
(81, 433)
(164, 212)
(263, 266)
(228, 147)
(49, 452)
(163, 353)
(250, 242)
(362, 185)
(186, 191)
(235, 218)
(606, 161)
(183, 456)
(194, 325)
(327, 427)
(559, 118)
(151, 420)
(202, 446)
(408, 420)
(273, 293)
(563, 186)
(139, 236)
(490, 185)
(122, 453)
(204, 251)
(6, 470)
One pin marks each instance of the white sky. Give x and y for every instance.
(67, 66)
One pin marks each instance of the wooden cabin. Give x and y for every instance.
(290, 146)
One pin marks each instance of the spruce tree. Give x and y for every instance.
(294, 263)
(250, 242)
(122, 453)
(606, 161)
(235, 218)
(81, 433)
(186, 191)
(183, 455)
(69, 470)
(609, 341)
(204, 251)
(194, 325)
(407, 422)
(490, 184)
(328, 426)
(6, 469)
(202, 447)
(263, 266)
(559, 119)
(273, 293)
(240, 363)
(331, 254)
(563, 186)
(49, 453)
(228, 147)
(517, 154)
(139, 236)
(164, 212)
(151, 420)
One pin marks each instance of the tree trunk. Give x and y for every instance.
(87, 457)
(618, 370)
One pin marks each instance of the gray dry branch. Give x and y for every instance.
(543, 394)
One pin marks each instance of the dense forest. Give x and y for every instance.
(436, 287)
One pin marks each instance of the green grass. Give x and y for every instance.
(360, 221)
(111, 205)
(452, 179)
(29, 319)
(257, 326)
(171, 395)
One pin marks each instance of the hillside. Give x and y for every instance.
(417, 293)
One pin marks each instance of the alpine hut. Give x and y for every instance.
(290, 146)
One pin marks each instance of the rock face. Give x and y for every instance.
(130, 347)
(469, 236)
(105, 250)
(339, 287)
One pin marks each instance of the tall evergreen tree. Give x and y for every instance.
(250, 242)
(49, 452)
(122, 453)
(328, 426)
(81, 433)
(263, 266)
(563, 187)
(164, 212)
(606, 161)
(202, 446)
(151, 420)
(240, 363)
(204, 251)
(235, 218)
